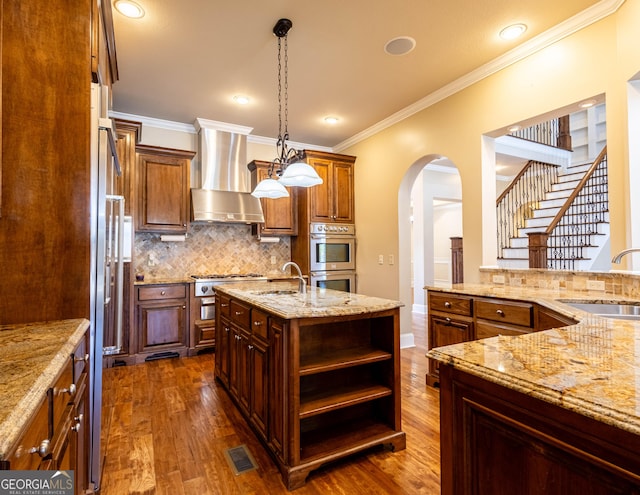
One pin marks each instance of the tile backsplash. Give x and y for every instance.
(215, 248)
(615, 282)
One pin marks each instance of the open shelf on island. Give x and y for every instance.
(325, 400)
(344, 358)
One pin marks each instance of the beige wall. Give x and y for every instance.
(598, 59)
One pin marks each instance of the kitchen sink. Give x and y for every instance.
(608, 310)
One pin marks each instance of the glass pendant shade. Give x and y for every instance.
(300, 174)
(270, 188)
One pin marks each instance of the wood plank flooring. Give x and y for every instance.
(167, 424)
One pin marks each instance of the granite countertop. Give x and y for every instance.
(148, 280)
(31, 357)
(592, 368)
(282, 299)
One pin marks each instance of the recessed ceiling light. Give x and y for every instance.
(331, 120)
(241, 99)
(587, 103)
(512, 32)
(129, 9)
(400, 45)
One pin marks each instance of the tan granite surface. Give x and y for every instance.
(592, 368)
(31, 358)
(281, 299)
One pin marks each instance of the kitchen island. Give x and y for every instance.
(316, 375)
(554, 412)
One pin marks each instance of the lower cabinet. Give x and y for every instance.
(57, 437)
(315, 389)
(161, 321)
(499, 441)
(455, 318)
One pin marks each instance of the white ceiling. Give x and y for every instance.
(187, 59)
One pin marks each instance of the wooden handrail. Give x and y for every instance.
(576, 191)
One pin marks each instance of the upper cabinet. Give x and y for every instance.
(128, 136)
(104, 66)
(162, 189)
(331, 201)
(280, 215)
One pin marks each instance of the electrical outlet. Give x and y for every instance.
(595, 284)
(273, 260)
(392, 259)
(498, 279)
(381, 259)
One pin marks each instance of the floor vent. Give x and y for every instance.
(162, 355)
(240, 459)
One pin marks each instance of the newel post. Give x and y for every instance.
(538, 249)
(457, 267)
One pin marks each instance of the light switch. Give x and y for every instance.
(392, 259)
(381, 259)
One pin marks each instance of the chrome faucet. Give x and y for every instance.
(618, 257)
(302, 283)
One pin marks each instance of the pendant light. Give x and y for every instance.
(288, 165)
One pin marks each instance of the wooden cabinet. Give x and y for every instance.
(331, 201)
(450, 322)
(455, 318)
(161, 321)
(281, 214)
(318, 388)
(57, 436)
(224, 339)
(163, 179)
(497, 440)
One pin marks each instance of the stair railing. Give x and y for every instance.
(577, 221)
(520, 198)
(553, 132)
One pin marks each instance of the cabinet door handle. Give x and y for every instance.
(78, 420)
(78, 360)
(447, 304)
(43, 449)
(71, 390)
(448, 320)
(226, 329)
(257, 323)
(249, 347)
(184, 307)
(224, 305)
(499, 312)
(238, 313)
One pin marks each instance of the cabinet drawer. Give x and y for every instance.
(451, 303)
(259, 324)
(225, 308)
(177, 291)
(63, 392)
(240, 314)
(485, 330)
(516, 313)
(36, 436)
(80, 360)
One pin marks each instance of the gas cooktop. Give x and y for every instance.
(225, 276)
(204, 285)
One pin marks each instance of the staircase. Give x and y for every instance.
(577, 241)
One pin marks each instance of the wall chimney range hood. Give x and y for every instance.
(220, 180)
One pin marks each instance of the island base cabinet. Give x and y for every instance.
(495, 440)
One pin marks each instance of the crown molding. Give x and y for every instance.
(566, 28)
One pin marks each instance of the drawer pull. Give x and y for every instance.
(257, 323)
(43, 449)
(238, 313)
(79, 360)
(226, 329)
(78, 420)
(163, 292)
(447, 304)
(71, 390)
(224, 305)
(249, 347)
(448, 320)
(499, 312)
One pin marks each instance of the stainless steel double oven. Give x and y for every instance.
(332, 256)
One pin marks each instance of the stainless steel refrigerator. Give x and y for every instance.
(107, 259)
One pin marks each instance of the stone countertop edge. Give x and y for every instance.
(315, 303)
(16, 410)
(191, 280)
(604, 408)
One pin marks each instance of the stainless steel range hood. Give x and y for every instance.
(221, 181)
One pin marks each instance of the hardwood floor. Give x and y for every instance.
(167, 424)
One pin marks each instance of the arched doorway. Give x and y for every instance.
(430, 212)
